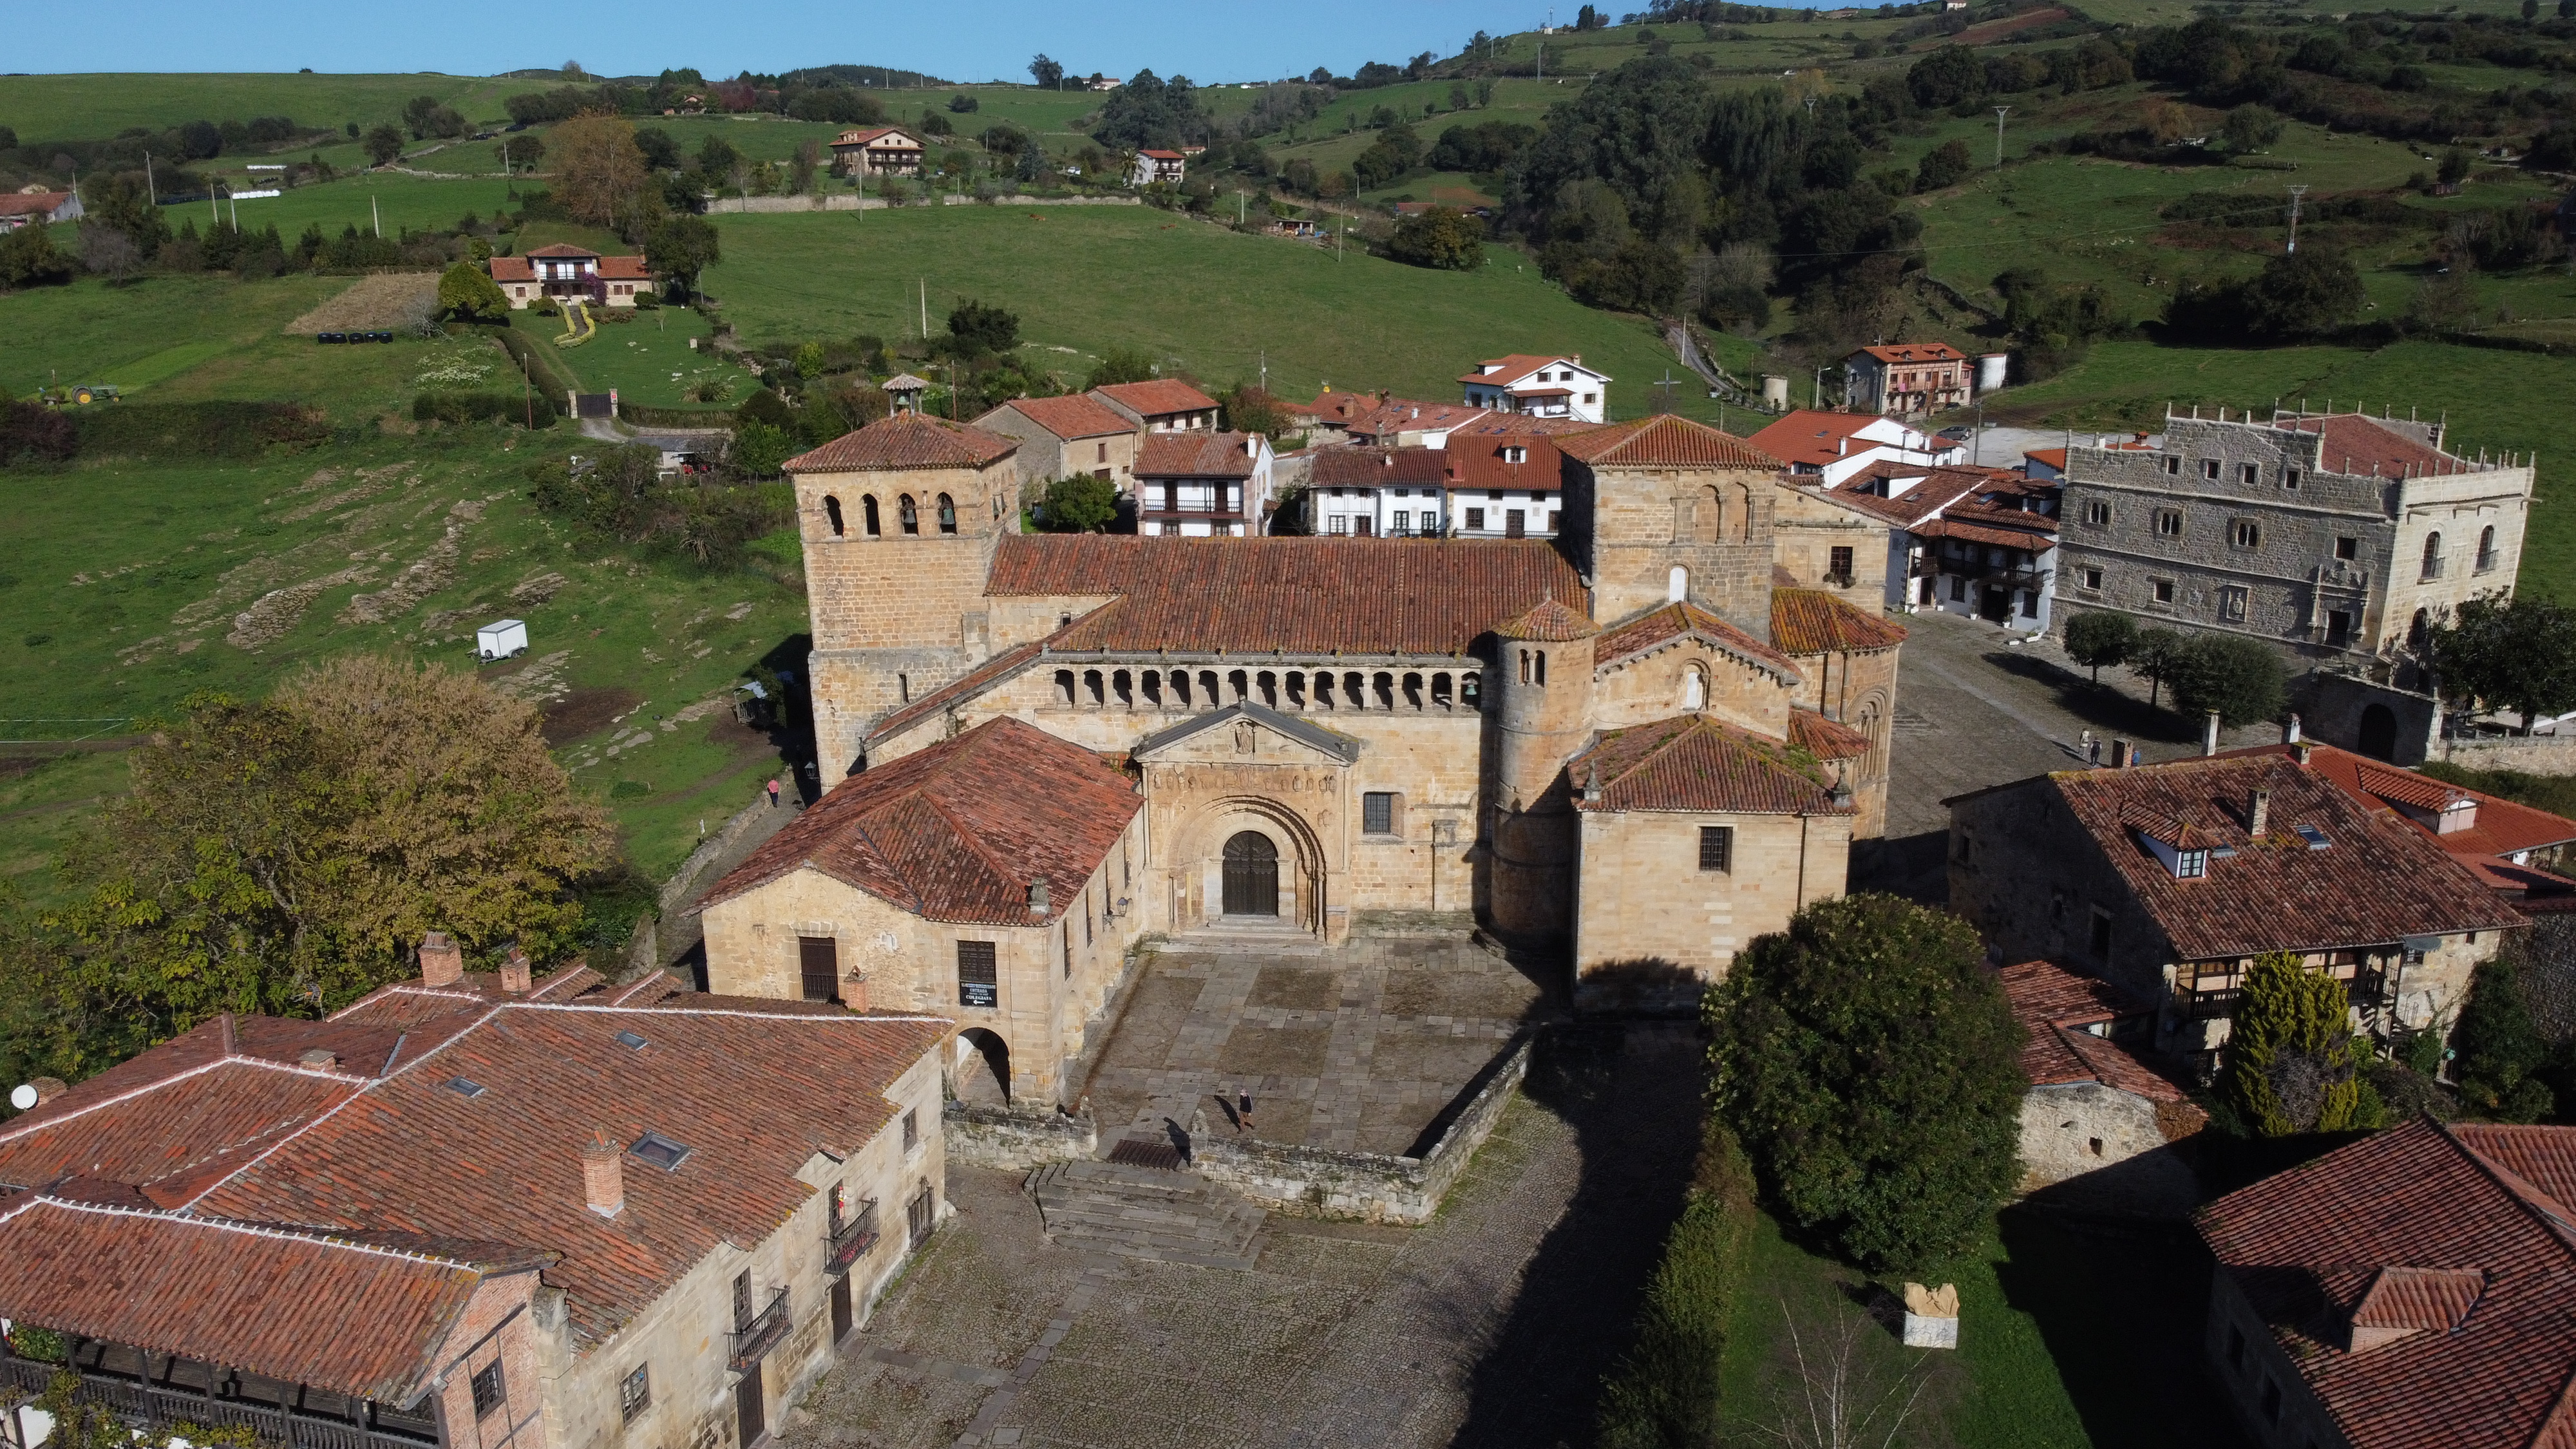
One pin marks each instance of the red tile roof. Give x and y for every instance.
(1158, 397)
(2378, 883)
(1194, 455)
(513, 269)
(1662, 441)
(1335, 407)
(1548, 622)
(2352, 443)
(2054, 1006)
(869, 136)
(2053, 457)
(974, 682)
(1364, 466)
(563, 249)
(1826, 739)
(1504, 371)
(1806, 436)
(1941, 487)
(935, 834)
(1070, 416)
(2037, 539)
(903, 441)
(624, 269)
(2502, 828)
(1915, 352)
(1693, 763)
(43, 203)
(1479, 461)
(1812, 621)
(1656, 628)
(1301, 595)
(1397, 416)
(2461, 1234)
(1521, 424)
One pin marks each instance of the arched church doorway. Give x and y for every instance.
(1251, 875)
(2379, 732)
(983, 1071)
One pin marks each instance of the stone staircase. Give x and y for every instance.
(1146, 1212)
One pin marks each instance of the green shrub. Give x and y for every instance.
(2292, 1062)
(1664, 1392)
(486, 407)
(2500, 1051)
(199, 429)
(2241, 678)
(629, 790)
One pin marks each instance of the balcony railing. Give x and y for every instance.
(852, 1240)
(153, 1406)
(753, 1341)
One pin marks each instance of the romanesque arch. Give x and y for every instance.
(1219, 828)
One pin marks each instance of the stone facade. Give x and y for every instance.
(1649, 907)
(1858, 688)
(1044, 457)
(2275, 529)
(514, 1323)
(1654, 535)
(2101, 1147)
(1819, 543)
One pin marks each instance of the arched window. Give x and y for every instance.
(1694, 689)
(947, 514)
(1743, 513)
(1064, 686)
(1094, 689)
(905, 514)
(1538, 666)
(868, 515)
(832, 513)
(1677, 585)
(1525, 666)
(2418, 629)
(1712, 519)
(2486, 548)
(2432, 555)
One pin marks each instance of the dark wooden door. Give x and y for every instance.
(840, 1309)
(1996, 606)
(1251, 875)
(748, 1412)
(818, 963)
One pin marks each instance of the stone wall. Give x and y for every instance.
(1633, 526)
(1807, 527)
(1372, 1187)
(1655, 929)
(2531, 754)
(1859, 689)
(1015, 1139)
(2335, 708)
(852, 201)
(2090, 1145)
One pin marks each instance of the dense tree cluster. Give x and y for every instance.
(1149, 111)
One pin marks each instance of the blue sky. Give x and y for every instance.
(958, 40)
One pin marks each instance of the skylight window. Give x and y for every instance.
(2315, 838)
(465, 1086)
(660, 1151)
(629, 1040)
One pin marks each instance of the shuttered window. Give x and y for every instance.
(818, 963)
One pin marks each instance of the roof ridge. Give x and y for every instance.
(2561, 1224)
(280, 1231)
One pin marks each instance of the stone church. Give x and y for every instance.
(1646, 741)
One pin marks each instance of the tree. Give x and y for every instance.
(1870, 1065)
(2251, 127)
(1046, 72)
(2100, 636)
(520, 153)
(2457, 162)
(1079, 504)
(1442, 237)
(975, 328)
(2530, 9)
(2241, 678)
(2157, 654)
(284, 856)
(963, 104)
(109, 252)
(681, 248)
(1944, 165)
(2508, 652)
(2291, 1057)
(661, 153)
(2303, 294)
(2500, 1053)
(1949, 76)
(468, 294)
(383, 144)
(599, 170)
(1150, 111)
(29, 258)
(1122, 364)
(1247, 409)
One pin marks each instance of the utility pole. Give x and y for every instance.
(925, 308)
(2000, 113)
(2296, 192)
(150, 187)
(1817, 398)
(1240, 202)
(373, 210)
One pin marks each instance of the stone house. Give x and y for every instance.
(1065, 437)
(1977, 542)
(1907, 379)
(2098, 1125)
(1823, 448)
(2502, 842)
(396, 1229)
(2407, 1291)
(1158, 405)
(1203, 485)
(876, 151)
(920, 886)
(1540, 387)
(1362, 491)
(1502, 485)
(569, 273)
(1824, 541)
(2335, 534)
(1322, 727)
(2168, 880)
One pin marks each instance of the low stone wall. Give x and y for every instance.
(676, 891)
(1014, 1139)
(2531, 754)
(852, 201)
(1321, 1183)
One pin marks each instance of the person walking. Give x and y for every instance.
(1243, 1109)
(2092, 751)
(773, 792)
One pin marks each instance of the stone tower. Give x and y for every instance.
(1541, 685)
(899, 522)
(1664, 509)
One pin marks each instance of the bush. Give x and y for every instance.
(2500, 1053)
(1665, 1391)
(33, 433)
(1079, 504)
(29, 258)
(204, 429)
(2292, 1062)
(468, 294)
(2241, 678)
(1944, 165)
(1442, 237)
(759, 448)
(486, 407)
(1871, 1066)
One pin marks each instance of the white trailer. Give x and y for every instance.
(504, 640)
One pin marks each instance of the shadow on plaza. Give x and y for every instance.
(2107, 709)
(1631, 1091)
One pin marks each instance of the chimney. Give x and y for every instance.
(2258, 812)
(854, 992)
(516, 975)
(603, 1176)
(48, 1088)
(2290, 731)
(2119, 754)
(1037, 899)
(320, 1059)
(441, 964)
(2299, 753)
(2209, 734)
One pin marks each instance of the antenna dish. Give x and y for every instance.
(22, 1096)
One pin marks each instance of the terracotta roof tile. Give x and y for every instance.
(974, 682)
(1482, 461)
(563, 249)
(1070, 416)
(1812, 621)
(1663, 441)
(513, 269)
(1334, 407)
(905, 440)
(1547, 621)
(1194, 455)
(1915, 352)
(1694, 763)
(1400, 415)
(1658, 627)
(1364, 466)
(1824, 738)
(624, 269)
(1301, 595)
(2351, 443)
(1807, 436)
(2503, 827)
(2054, 1006)
(1504, 371)
(1158, 397)
(933, 834)
(1940, 487)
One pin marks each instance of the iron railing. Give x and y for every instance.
(149, 1405)
(852, 1240)
(752, 1342)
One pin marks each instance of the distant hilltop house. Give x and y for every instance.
(1543, 387)
(564, 271)
(1157, 166)
(1907, 379)
(39, 205)
(877, 151)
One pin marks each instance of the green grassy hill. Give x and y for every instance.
(42, 107)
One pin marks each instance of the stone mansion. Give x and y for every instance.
(1649, 740)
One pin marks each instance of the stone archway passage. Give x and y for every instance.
(1251, 875)
(2378, 732)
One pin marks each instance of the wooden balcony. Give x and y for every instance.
(160, 1403)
